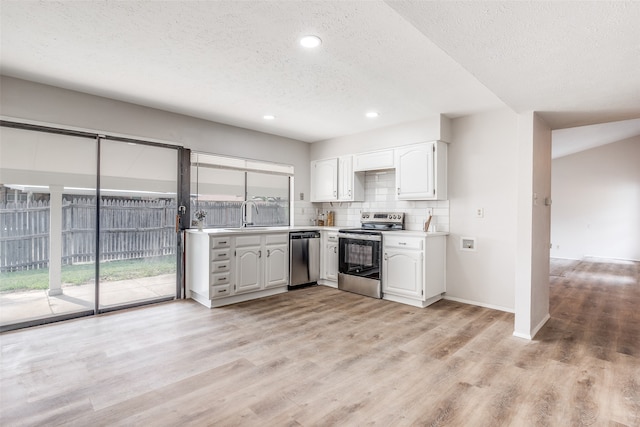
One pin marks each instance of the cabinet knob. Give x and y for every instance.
(268, 253)
(260, 254)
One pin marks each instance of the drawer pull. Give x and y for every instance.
(221, 267)
(220, 279)
(222, 291)
(402, 243)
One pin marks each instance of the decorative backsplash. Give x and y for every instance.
(380, 197)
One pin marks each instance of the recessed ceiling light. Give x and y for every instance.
(372, 114)
(268, 117)
(310, 41)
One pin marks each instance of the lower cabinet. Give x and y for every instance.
(413, 269)
(223, 270)
(276, 271)
(329, 264)
(403, 272)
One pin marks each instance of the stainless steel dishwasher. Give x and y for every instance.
(304, 258)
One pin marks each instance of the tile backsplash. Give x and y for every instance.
(379, 197)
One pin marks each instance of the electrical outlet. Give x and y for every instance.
(479, 212)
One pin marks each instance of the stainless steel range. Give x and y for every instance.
(360, 253)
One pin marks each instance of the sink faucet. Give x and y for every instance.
(243, 212)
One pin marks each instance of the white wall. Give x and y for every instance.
(22, 99)
(596, 202)
(533, 228)
(482, 173)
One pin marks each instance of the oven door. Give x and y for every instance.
(359, 255)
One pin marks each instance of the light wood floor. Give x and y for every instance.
(320, 356)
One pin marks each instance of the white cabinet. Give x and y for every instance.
(248, 264)
(334, 180)
(375, 160)
(403, 272)
(421, 171)
(324, 180)
(220, 269)
(261, 262)
(329, 269)
(276, 269)
(413, 269)
(226, 269)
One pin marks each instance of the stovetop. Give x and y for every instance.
(376, 222)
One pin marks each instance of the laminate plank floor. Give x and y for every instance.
(322, 357)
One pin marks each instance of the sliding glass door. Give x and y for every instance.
(87, 223)
(47, 226)
(137, 223)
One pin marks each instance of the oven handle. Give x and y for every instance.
(353, 236)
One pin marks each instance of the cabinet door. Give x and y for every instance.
(402, 273)
(345, 178)
(415, 178)
(331, 261)
(276, 266)
(324, 180)
(248, 269)
(374, 160)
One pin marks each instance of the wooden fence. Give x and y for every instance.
(128, 229)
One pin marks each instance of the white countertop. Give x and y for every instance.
(262, 230)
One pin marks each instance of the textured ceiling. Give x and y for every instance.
(572, 140)
(234, 61)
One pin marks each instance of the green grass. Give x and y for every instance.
(85, 273)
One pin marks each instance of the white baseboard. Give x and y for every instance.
(534, 331)
(480, 304)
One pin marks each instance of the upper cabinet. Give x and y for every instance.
(421, 172)
(375, 160)
(324, 180)
(334, 180)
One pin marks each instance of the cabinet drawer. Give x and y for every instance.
(220, 266)
(220, 291)
(404, 242)
(277, 238)
(220, 242)
(253, 240)
(220, 279)
(220, 254)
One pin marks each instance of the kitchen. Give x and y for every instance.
(410, 269)
(496, 151)
(498, 177)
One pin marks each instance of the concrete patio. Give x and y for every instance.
(23, 306)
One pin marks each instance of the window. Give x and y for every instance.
(220, 186)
